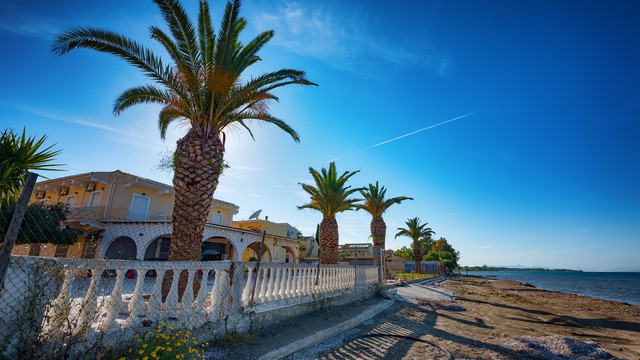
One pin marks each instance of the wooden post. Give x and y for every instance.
(14, 226)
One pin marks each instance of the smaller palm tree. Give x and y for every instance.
(416, 230)
(376, 204)
(19, 154)
(330, 196)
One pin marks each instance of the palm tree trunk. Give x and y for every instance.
(417, 252)
(378, 234)
(198, 165)
(329, 239)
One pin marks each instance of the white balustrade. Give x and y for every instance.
(106, 295)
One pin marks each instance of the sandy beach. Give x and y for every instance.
(499, 319)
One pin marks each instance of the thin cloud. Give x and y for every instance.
(74, 120)
(408, 134)
(131, 134)
(31, 28)
(340, 40)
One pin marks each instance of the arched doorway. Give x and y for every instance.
(290, 255)
(253, 250)
(122, 248)
(218, 248)
(158, 249)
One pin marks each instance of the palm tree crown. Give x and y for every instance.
(202, 84)
(375, 202)
(20, 153)
(330, 196)
(415, 230)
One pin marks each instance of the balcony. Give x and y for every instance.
(86, 212)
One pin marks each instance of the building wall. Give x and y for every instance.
(264, 225)
(122, 195)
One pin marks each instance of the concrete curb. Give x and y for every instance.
(325, 334)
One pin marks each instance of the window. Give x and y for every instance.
(139, 207)
(94, 200)
(216, 218)
(70, 200)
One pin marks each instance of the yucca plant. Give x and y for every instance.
(376, 204)
(20, 154)
(330, 196)
(201, 85)
(416, 231)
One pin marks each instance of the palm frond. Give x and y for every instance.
(145, 94)
(183, 31)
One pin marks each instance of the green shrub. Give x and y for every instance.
(165, 342)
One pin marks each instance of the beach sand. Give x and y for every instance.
(488, 316)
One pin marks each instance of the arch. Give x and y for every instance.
(253, 250)
(290, 255)
(158, 249)
(122, 248)
(218, 248)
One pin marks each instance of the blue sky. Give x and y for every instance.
(544, 173)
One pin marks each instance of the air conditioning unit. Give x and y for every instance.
(39, 194)
(89, 186)
(63, 191)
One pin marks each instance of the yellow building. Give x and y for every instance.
(123, 216)
(283, 234)
(362, 253)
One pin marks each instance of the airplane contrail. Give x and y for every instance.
(409, 134)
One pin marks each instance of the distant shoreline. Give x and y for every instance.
(492, 268)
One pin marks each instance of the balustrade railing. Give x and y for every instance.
(102, 296)
(274, 282)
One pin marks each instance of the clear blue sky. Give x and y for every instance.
(546, 173)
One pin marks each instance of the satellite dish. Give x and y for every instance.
(255, 215)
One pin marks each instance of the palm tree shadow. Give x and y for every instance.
(421, 323)
(563, 320)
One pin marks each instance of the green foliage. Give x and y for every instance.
(405, 253)
(165, 342)
(330, 196)
(20, 154)
(43, 223)
(443, 251)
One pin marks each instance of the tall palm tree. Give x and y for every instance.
(376, 204)
(199, 85)
(330, 196)
(415, 230)
(19, 154)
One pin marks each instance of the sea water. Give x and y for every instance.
(618, 286)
